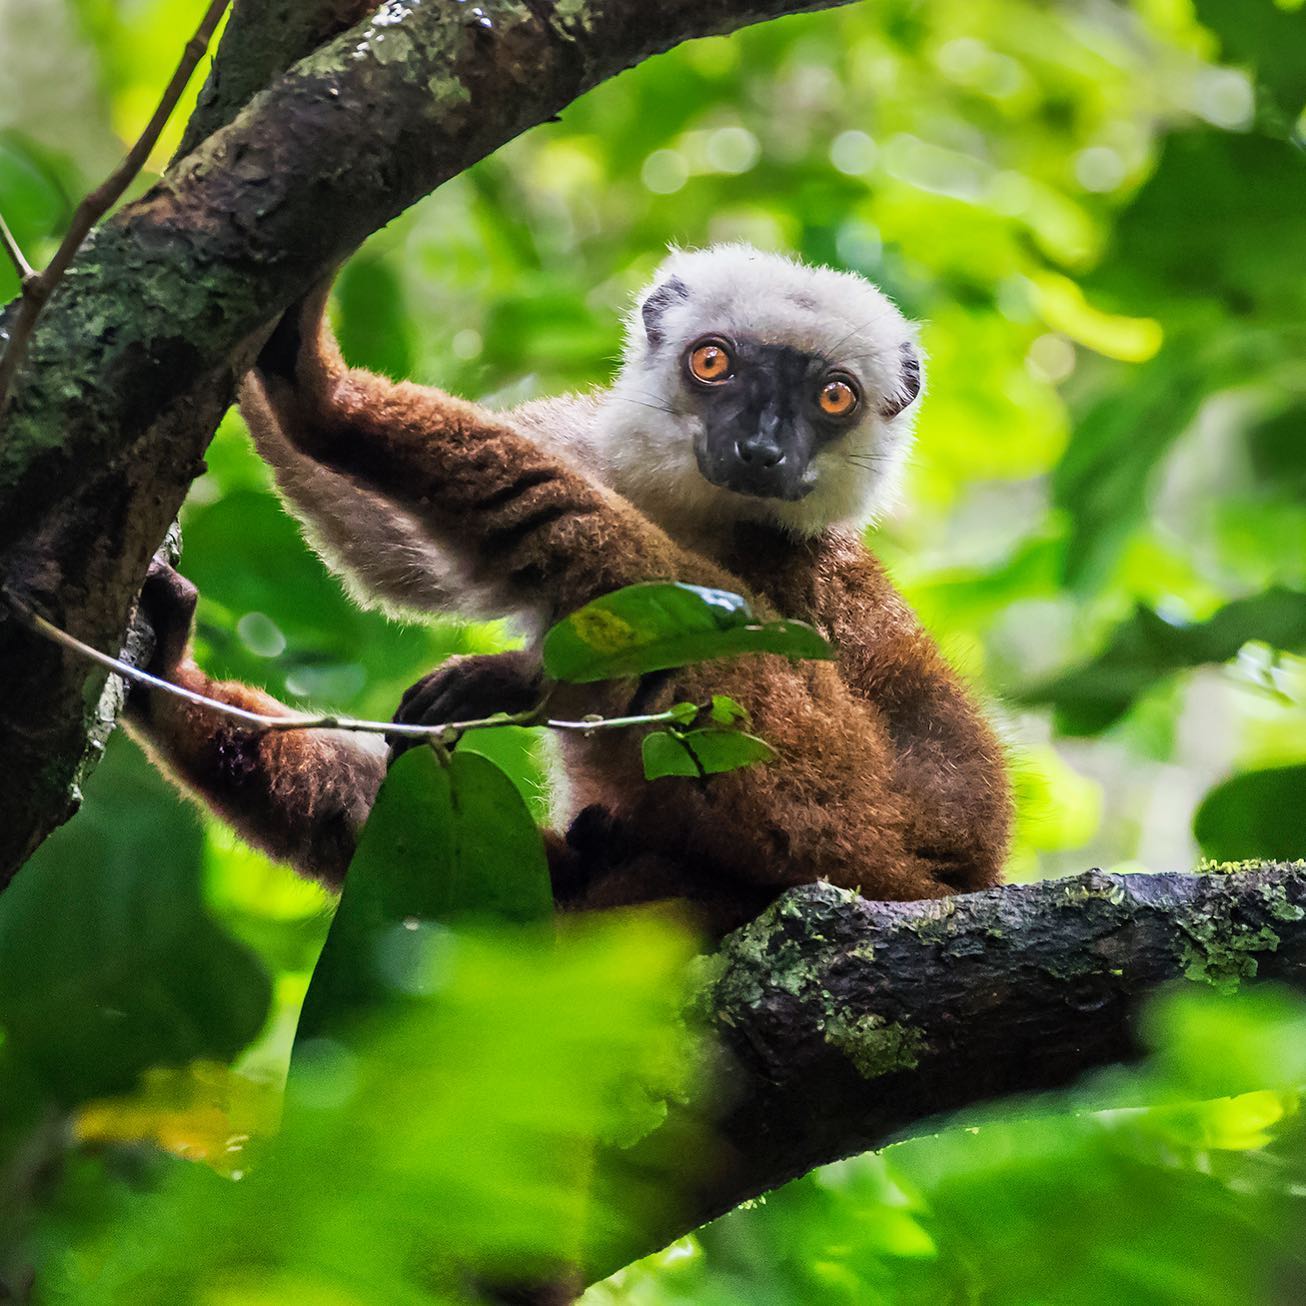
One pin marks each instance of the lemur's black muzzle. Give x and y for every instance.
(758, 437)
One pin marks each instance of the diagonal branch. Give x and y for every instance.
(846, 1024)
(261, 40)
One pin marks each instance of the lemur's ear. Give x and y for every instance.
(909, 383)
(656, 305)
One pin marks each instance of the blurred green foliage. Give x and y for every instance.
(1098, 212)
(390, 1177)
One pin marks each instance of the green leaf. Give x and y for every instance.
(1148, 648)
(1250, 191)
(702, 752)
(657, 626)
(1258, 815)
(683, 713)
(1119, 439)
(109, 963)
(726, 712)
(443, 842)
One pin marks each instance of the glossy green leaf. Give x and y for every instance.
(702, 752)
(109, 963)
(443, 843)
(656, 626)
(1260, 814)
(1148, 648)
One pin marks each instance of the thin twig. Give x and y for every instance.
(24, 269)
(38, 287)
(440, 732)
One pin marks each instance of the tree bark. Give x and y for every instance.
(845, 1024)
(136, 356)
(261, 40)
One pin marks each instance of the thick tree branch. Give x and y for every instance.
(134, 359)
(261, 40)
(845, 1024)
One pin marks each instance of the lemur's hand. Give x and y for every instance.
(168, 604)
(468, 688)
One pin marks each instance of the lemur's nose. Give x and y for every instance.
(759, 451)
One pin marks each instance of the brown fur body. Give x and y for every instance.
(889, 781)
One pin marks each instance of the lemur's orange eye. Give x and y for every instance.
(710, 361)
(838, 397)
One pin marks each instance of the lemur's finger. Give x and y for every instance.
(168, 601)
(424, 703)
(416, 693)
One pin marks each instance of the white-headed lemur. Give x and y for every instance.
(761, 416)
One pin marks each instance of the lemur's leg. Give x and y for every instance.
(301, 796)
(529, 531)
(948, 763)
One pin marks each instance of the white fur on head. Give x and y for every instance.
(646, 427)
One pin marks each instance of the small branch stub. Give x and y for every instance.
(26, 273)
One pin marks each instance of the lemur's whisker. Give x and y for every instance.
(857, 330)
(644, 403)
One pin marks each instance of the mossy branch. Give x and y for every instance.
(845, 1024)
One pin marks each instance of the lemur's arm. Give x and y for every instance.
(520, 528)
(301, 796)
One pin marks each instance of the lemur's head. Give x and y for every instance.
(754, 387)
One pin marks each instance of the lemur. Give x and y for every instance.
(762, 414)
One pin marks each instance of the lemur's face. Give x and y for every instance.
(766, 410)
(757, 388)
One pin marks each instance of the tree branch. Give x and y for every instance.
(443, 732)
(134, 361)
(261, 40)
(36, 290)
(847, 1024)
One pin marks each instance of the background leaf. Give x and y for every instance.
(1148, 647)
(1260, 814)
(109, 963)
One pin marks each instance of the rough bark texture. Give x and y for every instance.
(844, 1024)
(136, 356)
(260, 42)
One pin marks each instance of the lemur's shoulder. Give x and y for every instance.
(565, 425)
